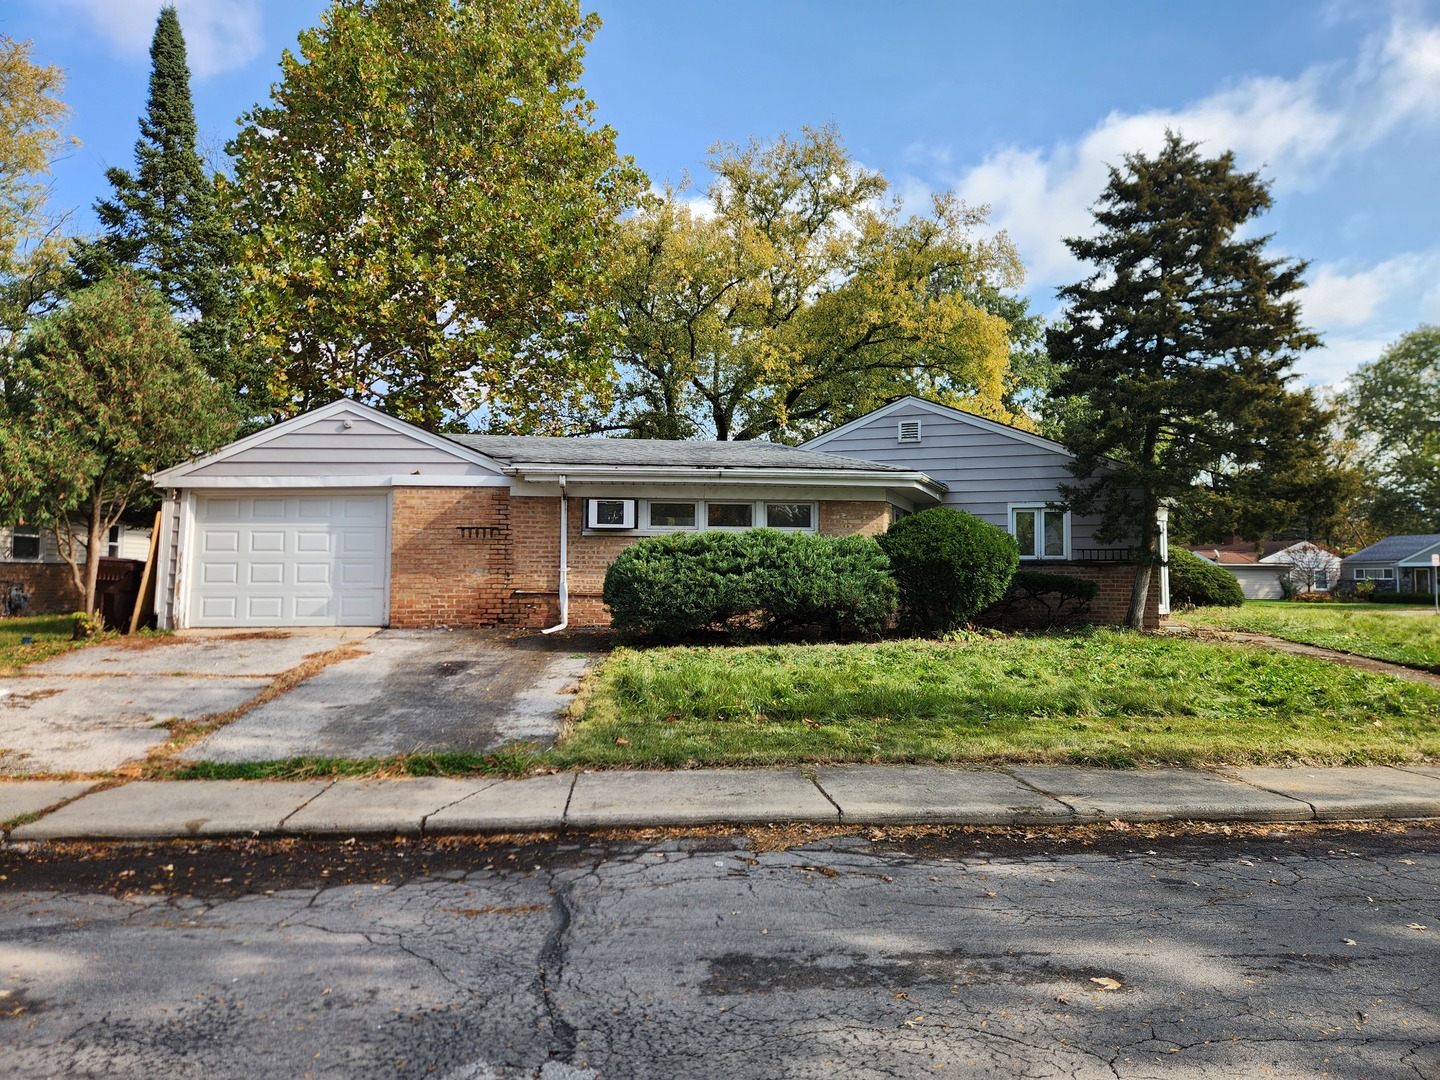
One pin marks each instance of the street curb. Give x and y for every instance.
(844, 795)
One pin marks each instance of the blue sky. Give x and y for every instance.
(1019, 105)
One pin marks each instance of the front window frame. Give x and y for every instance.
(29, 533)
(1041, 515)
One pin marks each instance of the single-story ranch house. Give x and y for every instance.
(347, 516)
(1261, 567)
(1395, 564)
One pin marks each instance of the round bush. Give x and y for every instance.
(1197, 583)
(672, 587)
(949, 565)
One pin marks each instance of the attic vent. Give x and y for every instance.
(909, 431)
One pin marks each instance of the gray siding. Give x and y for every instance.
(328, 448)
(986, 471)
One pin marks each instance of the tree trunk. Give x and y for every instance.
(92, 549)
(1144, 571)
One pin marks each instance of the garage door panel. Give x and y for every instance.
(366, 573)
(312, 573)
(313, 607)
(300, 560)
(267, 608)
(219, 607)
(219, 540)
(359, 610)
(220, 573)
(269, 573)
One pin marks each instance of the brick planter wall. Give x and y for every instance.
(52, 590)
(1112, 602)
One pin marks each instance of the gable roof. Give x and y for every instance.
(1252, 553)
(910, 401)
(1397, 548)
(521, 450)
(176, 474)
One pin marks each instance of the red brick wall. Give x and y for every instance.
(854, 518)
(440, 577)
(52, 590)
(511, 577)
(1112, 602)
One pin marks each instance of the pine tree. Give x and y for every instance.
(1176, 353)
(165, 220)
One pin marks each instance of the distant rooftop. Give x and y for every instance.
(1396, 548)
(659, 453)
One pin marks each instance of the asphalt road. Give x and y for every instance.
(1307, 953)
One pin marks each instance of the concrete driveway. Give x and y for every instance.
(394, 691)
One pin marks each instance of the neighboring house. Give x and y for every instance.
(1261, 567)
(1008, 477)
(31, 555)
(347, 516)
(1395, 564)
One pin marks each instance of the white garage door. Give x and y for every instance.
(289, 560)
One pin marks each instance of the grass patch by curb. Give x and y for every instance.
(1100, 697)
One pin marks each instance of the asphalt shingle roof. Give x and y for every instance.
(659, 453)
(1395, 548)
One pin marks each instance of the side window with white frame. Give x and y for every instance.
(25, 543)
(1374, 573)
(790, 516)
(1040, 532)
(671, 515)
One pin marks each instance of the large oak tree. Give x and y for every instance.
(799, 296)
(427, 206)
(1176, 353)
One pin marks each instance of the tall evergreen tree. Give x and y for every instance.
(165, 220)
(1175, 354)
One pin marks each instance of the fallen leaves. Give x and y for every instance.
(1107, 983)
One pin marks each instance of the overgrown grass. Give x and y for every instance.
(51, 633)
(1103, 697)
(1409, 636)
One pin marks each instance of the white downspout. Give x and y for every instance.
(564, 558)
(1162, 518)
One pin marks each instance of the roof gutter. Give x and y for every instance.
(619, 474)
(564, 559)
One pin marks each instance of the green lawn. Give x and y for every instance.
(1102, 697)
(51, 634)
(1409, 636)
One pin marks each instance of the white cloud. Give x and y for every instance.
(1293, 130)
(1339, 297)
(220, 35)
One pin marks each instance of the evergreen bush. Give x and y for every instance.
(949, 566)
(1197, 583)
(759, 581)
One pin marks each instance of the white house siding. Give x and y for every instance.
(326, 447)
(987, 471)
(134, 544)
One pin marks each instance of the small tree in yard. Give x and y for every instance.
(1175, 354)
(104, 392)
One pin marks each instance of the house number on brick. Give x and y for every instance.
(480, 532)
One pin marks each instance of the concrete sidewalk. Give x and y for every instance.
(838, 795)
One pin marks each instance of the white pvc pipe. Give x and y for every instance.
(564, 558)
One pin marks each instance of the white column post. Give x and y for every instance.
(1162, 519)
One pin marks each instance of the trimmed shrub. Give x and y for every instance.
(950, 566)
(1035, 597)
(1197, 583)
(676, 586)
(1412, 598)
